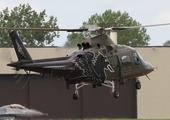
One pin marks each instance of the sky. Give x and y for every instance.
(72, 13)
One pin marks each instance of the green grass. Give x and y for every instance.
(115, 119)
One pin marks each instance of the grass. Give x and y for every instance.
(108, 119)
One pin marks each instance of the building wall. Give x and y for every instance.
(154, 97)
(50, 95)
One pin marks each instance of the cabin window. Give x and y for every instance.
(136, 59)
(125, 59)
(116, 61)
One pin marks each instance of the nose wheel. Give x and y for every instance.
(138, 85)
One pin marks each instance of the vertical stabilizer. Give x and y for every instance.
(20, 49)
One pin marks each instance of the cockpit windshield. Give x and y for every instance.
(16, 106)
(141, 58)
(138, 59)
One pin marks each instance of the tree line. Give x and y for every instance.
(25, 17)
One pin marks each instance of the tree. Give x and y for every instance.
(134, 37)
(23, 16)
(73, 39)
(167, 43)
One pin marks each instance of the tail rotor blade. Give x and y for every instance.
(18, 78)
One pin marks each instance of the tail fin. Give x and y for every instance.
(20, 49)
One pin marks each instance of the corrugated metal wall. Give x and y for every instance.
(50, 95)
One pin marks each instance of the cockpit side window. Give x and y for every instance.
(126, 59)
(136, 59)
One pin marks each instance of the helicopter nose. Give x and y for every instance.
(149, 68)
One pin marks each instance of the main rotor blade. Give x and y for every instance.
(85, 29)
(133, 27)
(47, 29)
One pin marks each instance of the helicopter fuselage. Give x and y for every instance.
(93, 65)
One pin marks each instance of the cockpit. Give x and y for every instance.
(15, 106)
(138, 59)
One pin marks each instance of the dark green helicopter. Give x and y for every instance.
(100, 62)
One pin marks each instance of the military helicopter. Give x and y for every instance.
(98, 63)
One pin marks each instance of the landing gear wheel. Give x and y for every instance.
(75, 96)
(138, 85)
(116, 94)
